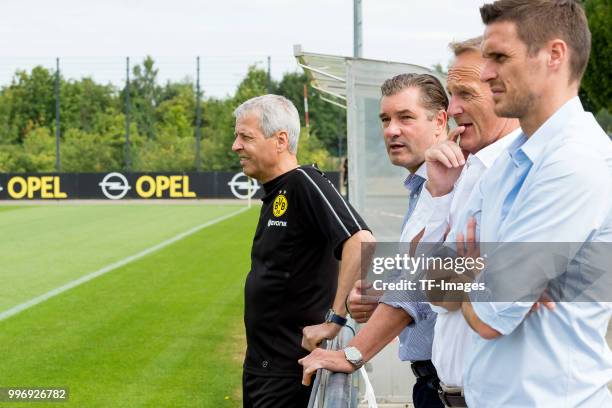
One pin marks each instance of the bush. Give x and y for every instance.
(87, 152)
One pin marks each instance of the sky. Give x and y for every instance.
(93, 38)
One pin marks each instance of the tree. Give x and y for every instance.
(39, 148)
(162, 128)
(9, 128)
(166, 153)
(144, 96)
(327, 121)
(254, 84)
(31, 99)
(605, 120)
(597, 82)
(82, 101)
(176, 115)
(218, 135)
(312, 151)
(14, 160)
(439, 69)
(86, 152)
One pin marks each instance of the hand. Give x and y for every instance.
(445, 160)
(313, 336)
(362, 301)
(470, 249)
(467, 247)
(333, 360)
(544, 300)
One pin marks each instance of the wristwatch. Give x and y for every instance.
(353, 356)
(332, 317)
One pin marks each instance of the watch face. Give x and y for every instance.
(329, 315)
(352, 354)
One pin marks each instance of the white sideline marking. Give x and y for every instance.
(83, 279)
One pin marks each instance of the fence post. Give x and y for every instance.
(198, 119)
(58, 165)
(128, 159)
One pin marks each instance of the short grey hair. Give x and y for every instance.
(275, 113)
(459, 47)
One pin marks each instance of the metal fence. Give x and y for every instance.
(336, 390)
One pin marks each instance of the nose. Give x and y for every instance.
(391, 130)
(454, 107)
(236, 146)
(488, 71)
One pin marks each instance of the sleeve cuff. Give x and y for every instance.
(441, 206)
(418, 311)
(437, 223)
(502, 316)
(438, 309)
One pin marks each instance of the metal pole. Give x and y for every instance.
(249, 190)
(306, 115)
(198, 119)
(340, 135)
(57, 116)
(357, 29)
(128, 163)
(269, 76)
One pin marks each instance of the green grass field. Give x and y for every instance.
(162, 331)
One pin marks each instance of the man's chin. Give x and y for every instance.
(247, 171)
(499, 108)
(504, 110)
(468, 139)
(403, 162)
(468, 145)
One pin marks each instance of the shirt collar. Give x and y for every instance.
(490, 153)
(421, 172)
(551, 129)
(515, 152)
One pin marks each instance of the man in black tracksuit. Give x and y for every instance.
(295, 291)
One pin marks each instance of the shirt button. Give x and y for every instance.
(264, 364)
(287, 275)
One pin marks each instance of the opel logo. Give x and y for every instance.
(240, 182)
(114, 186)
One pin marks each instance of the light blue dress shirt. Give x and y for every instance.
(555, 186)
(416, 339)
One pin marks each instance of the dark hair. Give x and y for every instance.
(433, 97)
(538, 21)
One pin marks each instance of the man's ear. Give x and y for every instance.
(282, 141)
(441, 119)
(557, 54)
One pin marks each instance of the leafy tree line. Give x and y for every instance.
(596, 90)
(596, 86)
(162, 131)
(162, 117)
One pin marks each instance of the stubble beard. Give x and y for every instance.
(518, 106)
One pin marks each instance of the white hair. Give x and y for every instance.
(275, 113)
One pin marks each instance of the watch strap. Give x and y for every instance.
(339, 320)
